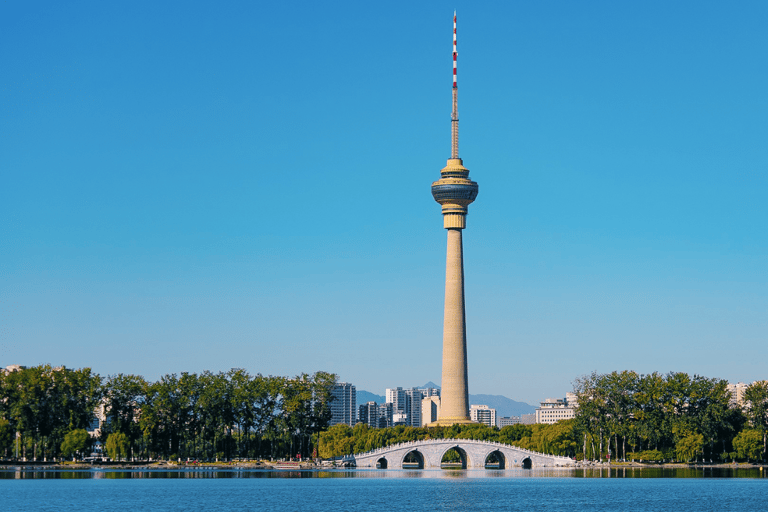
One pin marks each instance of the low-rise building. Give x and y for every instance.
(430, 409)
(553, 410)
(483, 414)
(508, 420)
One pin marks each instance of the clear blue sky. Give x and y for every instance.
(205, 185)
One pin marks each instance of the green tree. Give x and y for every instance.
(215, 417)
(6, 437)
(322, 384)
(688, 447)
(117, 446)
(592, 413)
(75, 441)
(714, 413)
(338, 440)
(648, 411)
(124, 396)
(241, 405)
(297, 412)
(756, 402)
(620, 388)
(44, 403)
(511, 433)
(748, 444)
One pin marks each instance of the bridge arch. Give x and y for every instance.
(495, 457)
(465, 462)
(527, 463)
(381, 463)
(413, 455)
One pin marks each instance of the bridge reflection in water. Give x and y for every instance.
(473, 454)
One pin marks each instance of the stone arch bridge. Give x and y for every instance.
(429, 454)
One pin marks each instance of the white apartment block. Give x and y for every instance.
(406, 405)
(12, 368)
(737, 394)
(427, 392)
(396, 397)
(483, 414)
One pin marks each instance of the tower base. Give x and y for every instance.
(447, 422)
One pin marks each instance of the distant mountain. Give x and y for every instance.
(504, 406)
(367, 396)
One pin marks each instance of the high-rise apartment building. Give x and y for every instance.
(369, 414)
(386, 415)
(737, 394)
(344, 404)
(406, 405)
(396, 397)
(413, 409)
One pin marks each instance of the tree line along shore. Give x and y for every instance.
(626, 416)
(45, 412)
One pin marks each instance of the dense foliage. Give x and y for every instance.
(205, 416)
(663, 417)
(44, 404)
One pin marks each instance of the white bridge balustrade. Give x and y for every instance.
(474, 454)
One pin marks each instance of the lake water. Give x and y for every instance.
(394, 490)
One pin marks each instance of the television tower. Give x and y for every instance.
(454, 191)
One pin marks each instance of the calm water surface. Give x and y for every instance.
(234, 490)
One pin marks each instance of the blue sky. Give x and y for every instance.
(190, 185)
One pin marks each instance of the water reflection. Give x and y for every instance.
(22, 473)
(635, 472)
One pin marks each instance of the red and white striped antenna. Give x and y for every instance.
(455, 112)
(455, 53)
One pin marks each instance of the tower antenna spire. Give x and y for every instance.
(455, 110)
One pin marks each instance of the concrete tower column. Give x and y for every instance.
(454, 403)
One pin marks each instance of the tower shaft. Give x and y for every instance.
(454, 406)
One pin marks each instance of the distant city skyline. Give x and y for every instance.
(197, 186)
